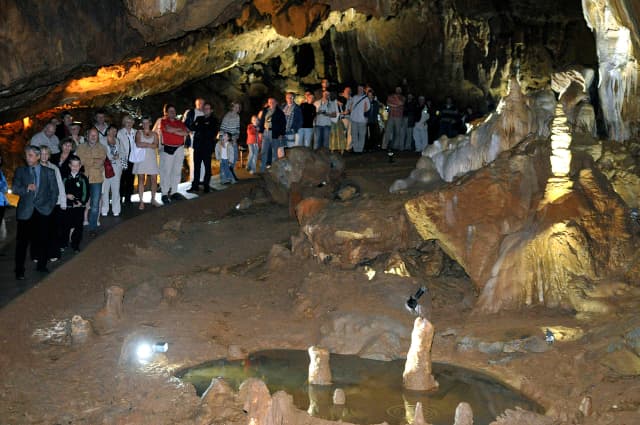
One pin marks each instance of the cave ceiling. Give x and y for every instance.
(75, 53)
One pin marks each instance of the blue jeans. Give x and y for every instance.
(306, 136)
(95, 190)
(225, 172)
(253, 157)
(266, 151)
(322, 134)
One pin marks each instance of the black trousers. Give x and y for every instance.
(74, 217)
(35, 232)
(201, 156)
(126, 183)
(373, 139)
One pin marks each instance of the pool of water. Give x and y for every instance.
(373, 388)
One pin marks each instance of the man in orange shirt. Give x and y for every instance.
(172, 154)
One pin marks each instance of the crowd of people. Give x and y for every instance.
(72, 178)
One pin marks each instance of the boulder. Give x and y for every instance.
(309, 208)
(346, 236)
(304, 173)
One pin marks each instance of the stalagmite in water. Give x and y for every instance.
(107, 318)
(319, 370)
(417, 369)
(463, 415)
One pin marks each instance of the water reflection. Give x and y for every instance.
(373, 389)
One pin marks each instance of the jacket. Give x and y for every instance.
(43, 199)
(92, 158)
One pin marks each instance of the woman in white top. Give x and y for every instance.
(147, 139)
(115, 153)
(127, 135)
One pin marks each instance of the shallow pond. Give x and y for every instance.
(373, 388)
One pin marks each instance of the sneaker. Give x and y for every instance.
(193, 189)
(207, 189)
(166, 200)
(116, 215)
(54, 259)
(177, 197)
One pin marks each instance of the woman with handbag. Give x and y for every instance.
(116, 152)
(144, 155)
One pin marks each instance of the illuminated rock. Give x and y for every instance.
(339, 398)
(417, 369)
(541, 226)
(319, 368)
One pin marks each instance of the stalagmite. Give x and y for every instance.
(319, 370)
(169, 295)
(418, 418)
(417, 369)
(463, 415)
(339, 397)
(586, 407)
(107, 318)
(81, 330)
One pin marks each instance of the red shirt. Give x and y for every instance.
(253, 136)
(396, 105)
(171, 139)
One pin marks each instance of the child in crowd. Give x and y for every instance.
(224, 154)
(254, 140)
(77, 188)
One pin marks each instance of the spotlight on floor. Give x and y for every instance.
(145, 351)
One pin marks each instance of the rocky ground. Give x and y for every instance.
(241, 289)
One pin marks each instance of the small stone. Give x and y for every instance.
(633, 340)
(347, 192)
(586, 407)
(535, 344)
(622, 362)
(491, 347)
(339, 397)
(169, 295)
(81, 330)
(235, 352)
(466, 344)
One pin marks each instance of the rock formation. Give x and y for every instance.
(107, 318)
(548, 219)
(417, 369)
(319, 368)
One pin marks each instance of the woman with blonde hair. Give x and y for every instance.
(147, 139)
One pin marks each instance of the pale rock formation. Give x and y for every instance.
(218, 404)
(463, 415)
(586, 406)
(517, 117)
(107, 318)
(367, 336)
(418, 418)
(618, 67)
(81, 330)
(549, 227)
(572, 87)
(256, 400)
(319, 368)
(522, 417)
(417, 369)
(339, 397)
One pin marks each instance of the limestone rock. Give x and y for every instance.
(319, 367)
(463, 415)
(81, 330)
(339, 398)
(279, 257)
(169, 295)
(531, 238)
(309, 208)
(417, 370)
(365, 335)
(346, 236)
(522, 417)
(305, 172)
(107, 319)
(256, 400)
(622, 362)
(586, 407)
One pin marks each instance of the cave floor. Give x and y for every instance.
(232, 301)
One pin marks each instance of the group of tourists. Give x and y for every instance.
(73, 178)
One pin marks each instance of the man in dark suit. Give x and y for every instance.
(38, 190)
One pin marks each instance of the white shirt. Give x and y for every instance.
(359, 105)
(328, 107)
(126, 138)
(41, 139)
